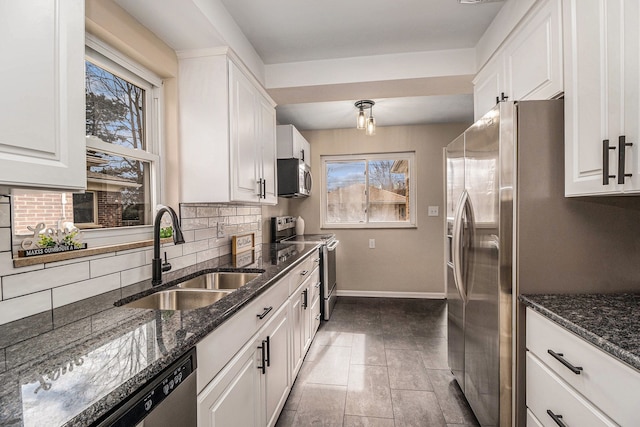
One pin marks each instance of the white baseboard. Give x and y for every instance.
(391, 294)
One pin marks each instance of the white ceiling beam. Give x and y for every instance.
(414, 65)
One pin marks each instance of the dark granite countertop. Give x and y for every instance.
(611, 322)
(71, 365)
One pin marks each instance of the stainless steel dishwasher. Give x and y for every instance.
(168, 400)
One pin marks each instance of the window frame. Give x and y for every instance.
(410, 156)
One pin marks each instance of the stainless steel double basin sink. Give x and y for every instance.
(197, 292)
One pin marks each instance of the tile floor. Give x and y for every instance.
(379, 362)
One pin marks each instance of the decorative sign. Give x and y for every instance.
(243, 259)
(242, 243)
(51, 240)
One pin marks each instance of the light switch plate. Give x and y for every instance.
(433, 210)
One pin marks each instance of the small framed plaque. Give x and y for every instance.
(242, 242)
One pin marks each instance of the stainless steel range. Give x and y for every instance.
(283, 229)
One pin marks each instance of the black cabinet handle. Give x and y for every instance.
(302, 151)
(263, 368)
(265, 312)
(501, 98)
(605, 162)
(622, 154)
(268, 343)
(556, 418)
(559, 357)
(304, 273)
(264, 188)
(304, 298)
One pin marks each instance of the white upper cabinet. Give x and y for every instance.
(602, 114)
(42, 135)
(292, 145)
(227, 132)
(529, 63)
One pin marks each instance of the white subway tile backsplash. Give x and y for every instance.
(67, 294)
(135, 275)
(206, 212)
(34, 281)
(193, 247)
(6, 265)
(33, 289)
(205, 233)
(28, 305)
(102, 267)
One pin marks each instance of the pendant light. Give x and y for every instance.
(364, 122)
(371, 124)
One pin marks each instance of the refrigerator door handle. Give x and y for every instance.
(471, 230)
(457, 249)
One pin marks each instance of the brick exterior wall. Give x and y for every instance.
(30, 209)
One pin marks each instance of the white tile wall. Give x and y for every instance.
(30, 290)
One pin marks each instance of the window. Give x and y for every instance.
(122, 129)
(372, 190)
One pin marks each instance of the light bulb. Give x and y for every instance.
(362, 119)
(371, 126)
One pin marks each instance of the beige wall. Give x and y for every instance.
(112, 24)
(404, 260)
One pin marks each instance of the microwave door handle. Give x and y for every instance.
(308, 175)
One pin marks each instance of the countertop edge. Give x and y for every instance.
(601, 343)
(104, 406)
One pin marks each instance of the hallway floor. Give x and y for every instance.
(379, 362)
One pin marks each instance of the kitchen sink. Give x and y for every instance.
(178, 299)
(219, 281)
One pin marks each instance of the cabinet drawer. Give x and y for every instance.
(299, 273)
(611, 385)
(315, 284)
(547, 392)
(532, 421)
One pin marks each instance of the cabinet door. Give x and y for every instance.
(487, 86)
(243, 117)
(301, 147)
(42, 135)
(276, 379)
(233, 397)
(533, 56)
(268, 155)
(631, 92)
(592, 95)
(297, 323)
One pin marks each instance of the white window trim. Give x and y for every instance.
(413, 203)
(117, 63)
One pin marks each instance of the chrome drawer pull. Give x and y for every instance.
(558, 356)
(317, 285)
(304, 273)
(556, 418)
(264, 313)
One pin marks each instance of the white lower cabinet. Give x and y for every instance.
(233, 397)
(570, 377)
(247, 365)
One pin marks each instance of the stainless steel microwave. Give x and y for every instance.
(294, 178)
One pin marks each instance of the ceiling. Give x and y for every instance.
(297, 31)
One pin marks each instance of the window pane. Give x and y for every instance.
(118, 195)
(346, 197)
(388, 191)
(114, 108)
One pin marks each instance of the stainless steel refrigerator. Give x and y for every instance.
(482, 184)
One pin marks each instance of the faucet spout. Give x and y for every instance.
(156, 264)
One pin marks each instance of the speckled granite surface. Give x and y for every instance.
(70, 366)
(609, 321)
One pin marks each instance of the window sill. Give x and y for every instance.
(63, 256)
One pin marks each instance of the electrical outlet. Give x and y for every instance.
(433, 210)
(221, 230)
(372, 243)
